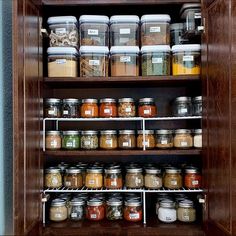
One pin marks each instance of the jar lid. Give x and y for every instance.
(94, 170)
(198, 98)
(127, 131)
(198, 131)
(89, 100)
(191, 170)
(172, 170)
(124, 19)
(186, 204)
(71, 132)
(155, 17)
(134, 170)
(89, 132)
(186, 48)
(146, 131)
(124, 49)
(77, 202)
(64, 196)
(112, 171)
(94, 49)
(61, 19)
(152, 171)
(155, 48)
(73, 170)
(177, 26)
(104, 132)
(93, 19)
(188, 7)
(71, 100)
(133, 203)
(53, 170)
(94, 202)
(53, 132)
(164, 131)
(126, 100)
(62, 51)
(52, 100)
(182, 131)
(114, 202)
(167, 204)
(110, 100)
(163, 198)
(58, 202)
(183, 99)
(144, 100)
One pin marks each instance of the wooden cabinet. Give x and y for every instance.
(30, 86)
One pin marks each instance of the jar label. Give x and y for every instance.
(125, 59)
(68, 183)
(146, 143)
(60, 30)
(117, 214)
(94, 62)
(188, 58)
(107, 111)
(55, 181)
(91, 181)
(73, 215)
(87, 142)
(183, 110)
(183, 144)
(93, 216)
(134, 216)
(61, 61)
(157, 60)
(109, 141)
(65, 112)
(58, 215)
(164, 142)
(173, 182)
(53, 143)
(125, 31)
(197, 15)
(146, 112)
(92, 32)
(168, 218)
(128, 109)
(137, 181)
(113, 183)
(125, 144)
(195, 182)
(156, 183)
(51, 112)
(156, 29)
(69, 144)
(186, 218)
(88, 112)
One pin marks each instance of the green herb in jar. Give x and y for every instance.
(71, 140)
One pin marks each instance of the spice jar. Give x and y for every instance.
(192, 178)
(186, 211)
(182, 106)
(94, 30)
(149, 139)
(73, 178)
(162, 197)
(63, 166)
(183, 138)
(71, 140)
(167, 211)
(113, 178)
(94, 178)
(53, 140)
(76, 209)
(127, 139)
(108, 139)
(176, 34)
(63, 31)
(52, 108)
(107, 108)
(53, 178)
(89, 139)
(186, 59)
(70, 108)
(114, 209)
(95, 210)
(133, 211)
(147, 107)
(153, 178)
(173, 178)
(62, 62)
(197, 106)
(124, 30)
(124, 61)
(155, 29)
(134, 177)
(164, 139)
(89, 108)
(126, 107)
(197, 138)
(58, 210)
(155, 60)
(93, 61)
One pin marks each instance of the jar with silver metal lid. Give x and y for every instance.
(162, 197)
(126, 107)
(58, 210)
(89, 139)
(76, 209)
(53, 178)
(107, 108)
(71, 139)
(133, 210)
(197, 106)
(197, 138)
(114, 209)
(95, 210)
(94, 178)
(164, 138)
(183, 138)
(127, 139)
(167, 211)
(186, 211)
(53, 140)
(108, 139)
(113, 178)
(70, 108)
(63, 166)
(173, 178)
(182, 106)
(147, 107)
(192, 178)
(149, 139)
(89, 108)
(52, 108)
(134, 178)
(152, 178)
(73, 178)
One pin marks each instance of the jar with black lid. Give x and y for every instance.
(52, 108)
(70, 108)
(182, 106)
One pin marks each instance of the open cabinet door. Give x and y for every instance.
(27, 76)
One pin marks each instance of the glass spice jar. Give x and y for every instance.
(149, 139)
(127, 139)
(197, 138)
(52, 108)
(186, 211)
(108, 139)
(94, 178)
(133, 211)
(114, 209)
(147, 107)
(95, 210)
(63, 166)
(76, 209)
(53, 178)
(70, 108)
(126, 107)
(73, 178)
(153, 178)
(164, 139)
(167, 211)
(58, 210)
(82, 167)
(192, 178)
(182, 106)
(53, 140)
(71, 140)
(89, 139)
(134, 177)
(197, 106)
(183, 138)
(113, 178)
(89, 108)
(107, 108)
(173, 178)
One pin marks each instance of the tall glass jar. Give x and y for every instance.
(107, 108)
(108, 139)
(73, 178)
(52, 108)
(89, 139)
(167, 211)
(182, 106)
(114, 209)
(52, 178)
(127, 139)
(71, 140)
(173, 178)
(58, 210)
(186, 211)
(95, 210)
(70, 108)
(94, 178)
(76, 209)
(126, 107)
(133, 211)
(53, 140)
(152, 178)
(147, 107)
(164, 139)
(134, 177)
(149, 139)
(113, 178)
(197, 106)
(89, 108)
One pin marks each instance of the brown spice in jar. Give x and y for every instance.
(126, 107)
(53, 140)
(149, 139)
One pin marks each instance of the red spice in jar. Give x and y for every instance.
(147, 107)
(107, 108)
(89, 108)
(133, 211)
(192, 178)
(95, 210)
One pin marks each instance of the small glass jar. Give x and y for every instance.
(52, 108)
(153, 178)
(192, 178)
(53, 140)
(182, 106)
(173, 178)
(82, 167)
(133, 211)
(134, 177)
(162, 197)
(89, 108)
(73, 178)
(147, 107)
(107, 108)
(149, 139)
(58, 210)
(127, 139)
(114, 209)
(108, 139)
(167, 211)
(76, 209)
(164, 139)
(113, 178)
(94, 178)
(95, 210)
(186, 212)
(71, 140)
(89, 139)
(197, 106)
(183, 139)
(197, 138)
(126, 107)
(176, 34)
(53, 178)
(70, 108)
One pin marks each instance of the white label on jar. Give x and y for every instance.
(94, 62)
(134, 216)
(125, 144)
(146, 112)
(74, 215)
(188, 58)
(168, 218)
(164, 142)
(51, 112)
(68, 183)
(58, 215)
(173, 182)
(88, 112)
(156, 183)
(91, 181)
(113, 183)
(183, 144)
(137, 181)
(186, 218)
(69, 144)
(54, 143)
(124, 40)
(93, 216)
(107, 111)
(197, 15)
(157, 60)
(109, 141)
(125, 59)
(146, 143)
(60, 30)
(125, 31)
(54, 181)
(155, 29)
(65, 112)
(117, 214)
(61, 61)
(92, 32)
(128, 109)
(183, 110)
(195, 182)
(87, 142)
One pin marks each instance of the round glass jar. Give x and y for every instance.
(73, 178)
(133, 211)
(134, 177)
(108, 139)
(89, 108)
(153, 178)
(192, 178)
(197, 138)
(162, 197)
(82, 167)
(173, 179)
(113, 178)
(127, 139)
(53, 140)
(58, 210)
(89, 139)
(76, 209)
(70, 108)
(71, 140)
(126, 107)
(167, 211)
(149, 139)
(107, 108)
(95, 210)
(186, 211)
(53, 178)
(197, 106)
(52, 108)
(114, 209)
(147, 107)
(182, 106)
(164, 139)
(94, 178)
(183, 138)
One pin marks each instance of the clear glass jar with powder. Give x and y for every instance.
(53, 178)
(197, 138)
(183, 139)
(58, 210)
(164, 139)
(167, 211)
(152, 178)
(186, 211)
(173, 178)
(127, 139)
(53, 140)
(149, 139)
(94, 178)
(134, 177)
(108, 139)
(73, 178)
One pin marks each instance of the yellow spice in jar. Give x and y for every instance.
(179, 69)
(62, 68)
